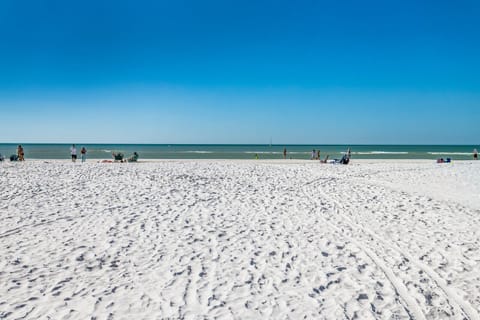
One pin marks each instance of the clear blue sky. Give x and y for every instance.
(240, 71)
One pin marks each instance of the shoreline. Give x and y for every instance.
(286, 161)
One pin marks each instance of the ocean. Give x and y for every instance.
(209, 151)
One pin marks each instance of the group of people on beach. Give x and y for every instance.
(116, 156)
(316, 156)
(20, 155)
(73, 153)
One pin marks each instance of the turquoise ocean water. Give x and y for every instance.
(196, 151)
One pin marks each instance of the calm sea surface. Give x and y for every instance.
(196, 151)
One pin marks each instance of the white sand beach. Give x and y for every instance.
(231, 239)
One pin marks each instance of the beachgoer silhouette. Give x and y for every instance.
(83, 154)
(20, 153)
(133, 158)
(73, 153)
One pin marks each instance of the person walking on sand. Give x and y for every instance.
(83, 154)
(475, 154)
(284, 153)
(73, 152)
(20, 153)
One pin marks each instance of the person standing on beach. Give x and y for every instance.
(475, 154)
(284, 153)
(83, 154)
(318, 155)
(313, 155)
(20, 153)
(73, 152)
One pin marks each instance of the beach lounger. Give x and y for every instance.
(345, 160)
(117, 156)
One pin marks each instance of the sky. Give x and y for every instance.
(295, 72)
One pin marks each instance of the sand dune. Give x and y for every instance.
(240, 240)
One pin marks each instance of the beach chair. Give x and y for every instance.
(118, 156)
(345, 159)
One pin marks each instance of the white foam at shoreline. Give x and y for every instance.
(263, 152)
(197, 151)
(452, 153)
(381, 152)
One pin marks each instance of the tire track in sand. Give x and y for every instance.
(456, 301)
(411, 306)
